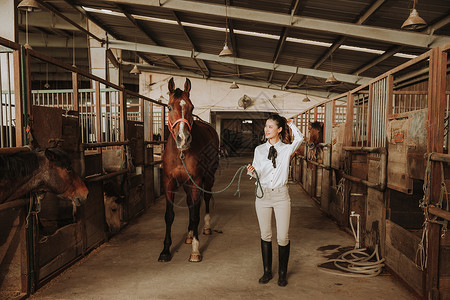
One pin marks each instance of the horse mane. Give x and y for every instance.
(316, 125)
(18, 165)
(59, 157)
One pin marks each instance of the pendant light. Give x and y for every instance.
(135, 70)
(46, 85)
(29, 5)
(234, 86)
(306, 99)
(226, 51)
(331, 79)
(414, 22)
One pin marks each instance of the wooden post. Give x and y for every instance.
(333, 112)
(436, 108)
(348, 140)
(75, 96)
(123, 114)
(98, 115)
(369, 121)
(18, 99)
(151, 122)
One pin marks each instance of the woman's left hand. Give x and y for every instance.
(289, 121)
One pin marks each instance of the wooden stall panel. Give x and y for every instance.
(59, 249)
(93, 216)
(12, 245)
(444, 267)
(135, 133)
(337, 139)
(406, 147)
(47, 126)
(401, 248)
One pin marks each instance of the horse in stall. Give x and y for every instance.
(47, 170)
(316, 136)
(199, 143)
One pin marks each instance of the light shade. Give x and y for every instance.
(414, 22)
(29, 5)
(135, 70)
(226, 51)
(234, 86)
(306, 99)
(47, 85)
(28, 46)
(331, 79)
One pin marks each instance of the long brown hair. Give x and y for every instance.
(285, 134)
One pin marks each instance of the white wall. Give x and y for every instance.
(208, 95)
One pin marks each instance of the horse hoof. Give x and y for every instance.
(165, 257)
(207, 231)
(195, 258)
(188, 240)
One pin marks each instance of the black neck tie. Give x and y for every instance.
(272, 155)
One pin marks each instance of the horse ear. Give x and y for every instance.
(52, 156)
(321, 124)
(187, 85)
(171, 85)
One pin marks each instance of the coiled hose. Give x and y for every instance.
(356, 262)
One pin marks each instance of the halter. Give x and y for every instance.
(172, 125)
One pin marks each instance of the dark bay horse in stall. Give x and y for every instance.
(315, 137)
(48, 171)
(199, 143)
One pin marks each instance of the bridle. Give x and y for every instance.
(172, 125)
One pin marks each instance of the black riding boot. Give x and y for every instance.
(283, 259)
(266, 250)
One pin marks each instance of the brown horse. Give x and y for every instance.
(315, 137)
(48, 170)
(199, 143)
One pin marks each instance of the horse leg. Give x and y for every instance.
(194, 202)
(209, 182)
(169, 217)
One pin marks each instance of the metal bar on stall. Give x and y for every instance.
(9, 101)
(1, 109)
(365, 149)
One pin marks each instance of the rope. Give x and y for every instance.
(340, 190)
(240, 170)
(358, 265)
(422, 250)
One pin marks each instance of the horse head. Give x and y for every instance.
(180, 117)
(60, 179)
(315, 133)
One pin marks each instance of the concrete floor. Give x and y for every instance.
(127, 266)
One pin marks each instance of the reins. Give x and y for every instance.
(238, 191)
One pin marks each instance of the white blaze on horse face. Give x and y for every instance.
(181, 130)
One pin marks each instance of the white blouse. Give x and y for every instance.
(269, 176)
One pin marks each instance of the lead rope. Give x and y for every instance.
(238, 190)
(422, 250)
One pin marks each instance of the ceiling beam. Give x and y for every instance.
(124, 10)
(124, 45)
(342, 39)
(73, 23)
(390, 52)
(233, 39)
(192, 45)
(282, 39)
(267, 85)
(397, 37)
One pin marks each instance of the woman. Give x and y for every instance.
(271, 162)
